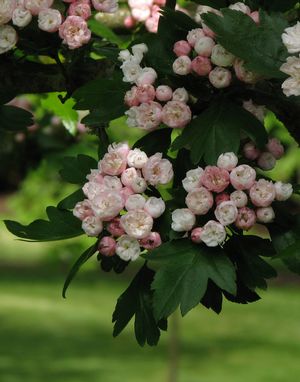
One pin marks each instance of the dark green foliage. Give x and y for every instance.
(156, 141)
(76, 169)
(14, 119)
(60, 226)
(136, 302)
(70, 201)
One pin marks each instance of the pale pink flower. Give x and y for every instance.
(204, 46)
(121, 148)
(135, 202)
(142, 13)
(192, 179)
(83, 209)
(145, 93)
(95, 176)
(74, 32)
(182, 65)
(107, 6)
(112, 183)
(182, 48)
(128, 248)
(125, 193)
(241, 7)
(128, 175)
(291, 38)
(250, 151)
(7, 8)
(181, 95)
(107, 204)
(220, 198)
(265, 215)
(21, 17)
(155, 207)
(158, 170)
(130, 98)
(227, 161)
(199, 201)
(114, 227)
(213, 234)
(139, 185)
(239, 198)
(255, 17)
(49, 20)
(80, 8)
(147, 116)
(153, 240)
(147, 76)
(152, 24)
(246, 218)
(196, 235)
(226, 212)
(129, 22)
(107, 246)
(242, 177)
(275, 147)
(137, 158)
(194, 35)
(35, 6)
(176, 114)
(164, 93)
(8, 38)
(262, 193)
(283, 191)
(215, 179)
(92, 225)
(201, 66)
(266, 161)
(220, 77)
(183, 220)
(137, 223)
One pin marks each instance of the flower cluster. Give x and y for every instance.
(145, 11)
(267, 158)
(150, 106)
(71, 26)
(115, 201)
(291, 40)
(233, 193)
(201, 55)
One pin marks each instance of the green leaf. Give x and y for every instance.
(217, 130)
(14, 118)
(60, 226)
(77, 168)
(78, 264)
(184, 273)
(104, 97)
(238, 33)
(70, 201)
(156, 141)
(104, 31)
(137, 301)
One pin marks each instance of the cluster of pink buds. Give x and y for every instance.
(116, 201)
(144, 11)
(201, 55)
(235, 195)
(149, 106)
(71, 26)
(265, 159)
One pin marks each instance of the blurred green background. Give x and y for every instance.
(46, 338)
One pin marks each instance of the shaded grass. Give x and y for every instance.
(46, 338)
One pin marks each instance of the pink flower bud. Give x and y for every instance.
(180, 94)
(250, 151)
(145, 93)
(195, 235)
(208, 32)
(204, 46)
(164, 93)
(246, 218)
(262, 193)
(130, 98)
(255, 17)
(275, 148)
(242, 177)
(227, 161)
(153, 240)
(182, 65)
(176, 114)
(125, 193)
(266, 161)
(220, 77)
(220, 198)
(80, 8)
(215, 179)
(75, 32)
(114, 227)
(201, 66)
(146, 77)
(199, 201)
(129, 22)
(239, 198)
(107, 246)
(283, 191)
(226, 213)
(194, 35)
(49, 20)
(182, 48)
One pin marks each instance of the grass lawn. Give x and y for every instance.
(47, 339)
